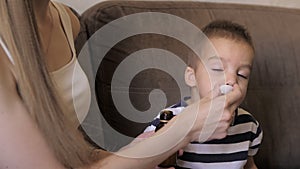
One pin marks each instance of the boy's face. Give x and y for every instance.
(233, 66)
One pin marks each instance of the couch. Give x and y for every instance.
(274, 90)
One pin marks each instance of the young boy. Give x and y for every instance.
(235, 51)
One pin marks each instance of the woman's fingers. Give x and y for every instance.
(234, 97)
(220, 112)
(180, 152)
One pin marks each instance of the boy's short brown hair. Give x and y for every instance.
(223, 29)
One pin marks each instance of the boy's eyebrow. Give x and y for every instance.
(214, 57)
(219, 58)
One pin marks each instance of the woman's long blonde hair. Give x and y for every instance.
(19, 31)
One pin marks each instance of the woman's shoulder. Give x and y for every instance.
(73, 18)
(18, 131)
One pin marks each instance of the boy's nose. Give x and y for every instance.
(231, 79)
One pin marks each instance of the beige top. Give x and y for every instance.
(71, 81)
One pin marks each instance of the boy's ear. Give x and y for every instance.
(190, 77)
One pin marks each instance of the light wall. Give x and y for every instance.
(82, 5)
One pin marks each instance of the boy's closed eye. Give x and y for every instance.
(243, 76)
(244, 72)
(216, 66)
(217, 69)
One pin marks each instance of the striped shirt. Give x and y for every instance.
(231, 152)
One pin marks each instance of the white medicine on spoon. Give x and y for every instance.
(225, 89)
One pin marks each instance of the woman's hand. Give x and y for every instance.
(207, 119)
(212, 115)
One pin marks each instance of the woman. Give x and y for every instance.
(35, 126)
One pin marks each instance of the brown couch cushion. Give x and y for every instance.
(274, 91)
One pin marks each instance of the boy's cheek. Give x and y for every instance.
(244, 93)
(205, 91)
